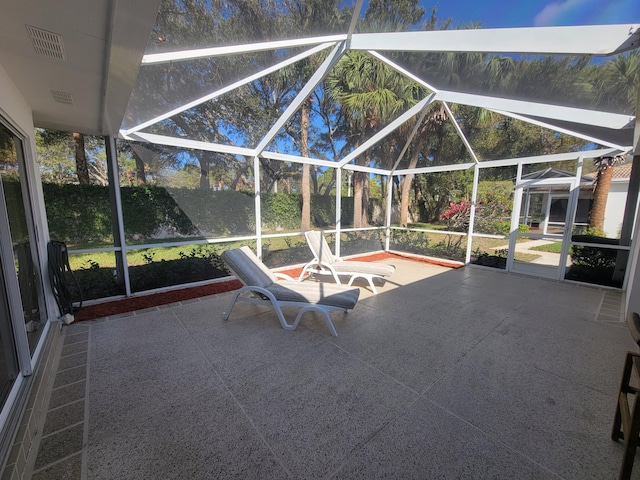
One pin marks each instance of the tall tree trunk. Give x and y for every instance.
(304, 150)
(357, 199)
(404, 199)
(600, 195)
(405, 184)
(141, 176)
(82, 169)
(204, 174)
(361, 193)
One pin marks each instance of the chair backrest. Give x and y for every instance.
(633, 321)
(248, 268)
(319, 246)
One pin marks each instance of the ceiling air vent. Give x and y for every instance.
(47, 44)
(62, 97)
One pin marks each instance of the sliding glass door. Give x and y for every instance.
(22, 311)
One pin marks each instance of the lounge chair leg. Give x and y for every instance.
(322, 311)
(232, 303)
(368, 278)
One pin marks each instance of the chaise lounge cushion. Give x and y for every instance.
(247, 267)
(380, 269)
(263, 287)
(315, 293)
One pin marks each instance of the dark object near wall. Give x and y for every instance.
(66, 288)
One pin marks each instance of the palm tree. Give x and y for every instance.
(370, 94)
(304, 150)
(602, 185)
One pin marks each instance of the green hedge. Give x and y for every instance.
(80, 214)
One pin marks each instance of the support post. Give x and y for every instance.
(338, 209)
(628, 219)
(515, 218)
(117, 219)
(257, 206)
(472, 214)
(387, 221)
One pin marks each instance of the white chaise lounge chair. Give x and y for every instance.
(261, 286)
(324, 263)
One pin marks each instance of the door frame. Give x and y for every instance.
(557, 273)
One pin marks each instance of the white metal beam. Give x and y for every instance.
(156, 58)
(229, 88)
(414, 130)
(460, 132)
(402, 70)
(362, 168)
(354, 19)
(542, 110)
(305, 92)
(191, 144)
(575, 40)
(283, 157)
(438, 168)
(557, 157)
(388, 129)
(556, 128)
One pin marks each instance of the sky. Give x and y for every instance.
(537, 13)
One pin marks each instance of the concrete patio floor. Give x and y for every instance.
(447, 374)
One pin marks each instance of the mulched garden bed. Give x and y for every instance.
(140, 302)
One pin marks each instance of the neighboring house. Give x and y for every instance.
(545, 207)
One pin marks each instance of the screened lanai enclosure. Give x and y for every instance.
(150, 136)
(387, 126)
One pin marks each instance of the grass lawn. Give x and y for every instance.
(157, 254)
(554, 247)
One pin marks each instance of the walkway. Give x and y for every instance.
(544, 258)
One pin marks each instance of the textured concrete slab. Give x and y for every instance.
(560, 425)
(196, 437)
(427, 441)
(315, 409)
(452, 374)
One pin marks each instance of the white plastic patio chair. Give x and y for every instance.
(262, 286)
(325, 263)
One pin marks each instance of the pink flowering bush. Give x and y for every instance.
(457, 216)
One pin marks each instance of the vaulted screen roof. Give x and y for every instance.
(233, 77)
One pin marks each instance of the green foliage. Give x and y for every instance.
(493, 209)
(497, 259)
(594, 257)
(78, 214)
(281, 211)
(145, 209)
(408, 241)
(353, 243)
(499, 228)
(593, 264)
(220, 213)
(450, 247)
(201, 263)
(594, 232)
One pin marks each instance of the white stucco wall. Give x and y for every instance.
(17, 112)
(13, 106)
(614, 210)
